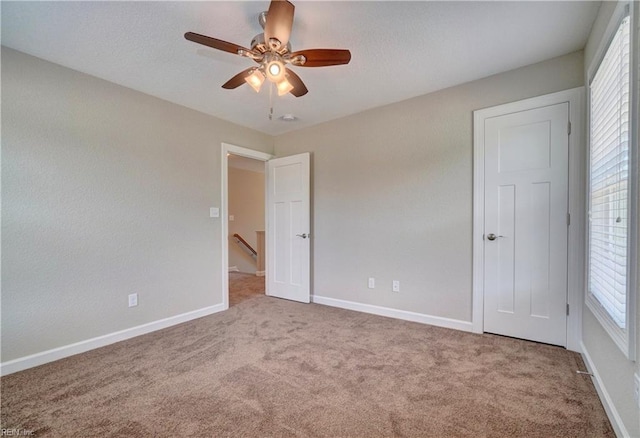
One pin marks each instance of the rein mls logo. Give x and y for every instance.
(16, 432)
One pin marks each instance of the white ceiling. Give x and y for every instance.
(399, 49)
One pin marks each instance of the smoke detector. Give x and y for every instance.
(288, 118)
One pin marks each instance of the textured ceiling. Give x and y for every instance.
(399, 49)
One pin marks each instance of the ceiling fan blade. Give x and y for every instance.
(238, 79)
(279, 23)
(299, 89)
(323, 57)
(215, 43)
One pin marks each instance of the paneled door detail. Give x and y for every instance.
(526, 219)
(288, 222)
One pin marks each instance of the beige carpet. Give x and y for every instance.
(244, 286)
(274, 368)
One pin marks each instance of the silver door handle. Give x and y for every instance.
(492, 236)
(303, 235)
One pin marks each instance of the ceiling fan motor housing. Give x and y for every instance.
(259, 44)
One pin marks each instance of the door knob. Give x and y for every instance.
(303, 235)
(492, 236)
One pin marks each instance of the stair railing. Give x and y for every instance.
(243, 244)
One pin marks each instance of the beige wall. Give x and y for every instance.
(246, 204)
(392, 192)
(105, 192)
(614, 369)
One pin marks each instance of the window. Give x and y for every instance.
(610, 202)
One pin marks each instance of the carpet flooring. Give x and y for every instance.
(273, 368)
(244, 286)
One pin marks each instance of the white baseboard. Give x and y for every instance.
(233, 269)
(605, 398)
(34, 360)
(439, 321)
(260, 273)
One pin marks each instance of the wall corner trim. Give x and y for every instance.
(438, 321)
(54, 354)
(605, 398)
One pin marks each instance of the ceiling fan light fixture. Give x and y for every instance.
(255, 79)
(284, 86)
(275, 71)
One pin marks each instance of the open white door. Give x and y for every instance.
(288, 228)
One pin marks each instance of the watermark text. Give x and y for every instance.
(16, 431)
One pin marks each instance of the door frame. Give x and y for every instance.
(575, 255)
(224, 213)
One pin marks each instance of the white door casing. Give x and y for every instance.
(526, 208)
(577, 210)
(288, 228)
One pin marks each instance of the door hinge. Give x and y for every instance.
(567, 309)
(568, 219)
(568, 128)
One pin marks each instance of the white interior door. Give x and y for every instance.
(525, 235)
(288, 228)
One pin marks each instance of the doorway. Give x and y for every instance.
(528, 252)
(287, 223)
(243, 223)
(246, 232)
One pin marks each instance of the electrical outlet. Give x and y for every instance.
(133, 300)
(232, 218)
(395, 286)
(636, 389)
(372, 283)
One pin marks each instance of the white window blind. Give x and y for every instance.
(609, 175)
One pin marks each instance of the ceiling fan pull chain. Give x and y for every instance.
(271, 102)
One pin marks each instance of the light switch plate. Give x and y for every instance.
(372, 283)
(214, 212)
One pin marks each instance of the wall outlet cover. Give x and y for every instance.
(133, 300)
(395, 286)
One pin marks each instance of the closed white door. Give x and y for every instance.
(288, 228)
(526, 220)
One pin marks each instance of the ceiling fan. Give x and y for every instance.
(272, 51)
